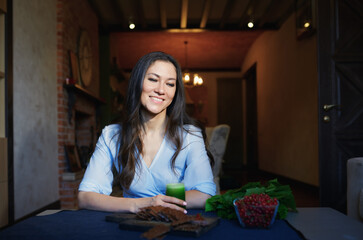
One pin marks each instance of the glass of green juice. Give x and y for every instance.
(176, 190)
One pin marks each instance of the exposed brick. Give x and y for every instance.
(69, 205)
(70, 193)
(71, 184)
(71, 17)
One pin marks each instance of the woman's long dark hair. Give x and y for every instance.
(133, 121)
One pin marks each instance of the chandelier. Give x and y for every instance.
(190, 79)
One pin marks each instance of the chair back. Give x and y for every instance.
(355, 188)
(217, 138)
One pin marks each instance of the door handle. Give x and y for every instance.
(328, 107)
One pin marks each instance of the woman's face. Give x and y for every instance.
(159, 87)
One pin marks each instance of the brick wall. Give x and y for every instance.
(72, 17)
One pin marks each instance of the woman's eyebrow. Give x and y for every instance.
(158, 76)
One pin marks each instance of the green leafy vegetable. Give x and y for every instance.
(223, 204)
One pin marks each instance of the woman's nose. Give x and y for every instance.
(160, 88)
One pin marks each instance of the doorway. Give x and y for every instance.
(229, 107)
(250, 118)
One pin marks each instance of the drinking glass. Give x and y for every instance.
(176, 190)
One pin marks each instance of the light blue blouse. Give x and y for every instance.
(192, 167)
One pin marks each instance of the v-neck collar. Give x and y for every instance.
(155, 157)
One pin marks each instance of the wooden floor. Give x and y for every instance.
(305, 195)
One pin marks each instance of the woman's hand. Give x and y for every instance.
(159, 200)
(101, 202)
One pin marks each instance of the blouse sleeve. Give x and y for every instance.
(198, 173)
(98, 176)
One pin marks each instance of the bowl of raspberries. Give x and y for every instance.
(256, 210)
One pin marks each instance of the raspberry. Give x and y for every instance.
(256, 210)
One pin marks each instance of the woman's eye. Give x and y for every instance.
(171, 84)
(152, 79)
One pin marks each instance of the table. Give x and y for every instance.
(325, 223)
(86, 224)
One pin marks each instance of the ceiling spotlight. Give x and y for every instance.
(306, 25)
(132, 25)
(250, 24)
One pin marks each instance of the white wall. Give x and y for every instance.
(287, 103)
(35, 101)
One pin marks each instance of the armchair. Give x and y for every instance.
(217, 138)
(355, 188)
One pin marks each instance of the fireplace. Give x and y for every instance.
(77, 105)
(80, 129)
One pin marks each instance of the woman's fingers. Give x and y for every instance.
(176, 207)
(167, 201)
(173, 200)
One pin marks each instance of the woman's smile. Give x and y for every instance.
(159, 87)
(157, 100)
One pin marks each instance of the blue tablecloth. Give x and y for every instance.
(86, 224)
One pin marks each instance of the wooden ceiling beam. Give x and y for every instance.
(117, 11)
(139, 9)
(206, 11)
(163, 18)
(286, 14)
(184, 14)
(96, 10)
(136, 8)
(226, 13)
(266, 11)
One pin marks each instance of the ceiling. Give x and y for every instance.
(215, 29)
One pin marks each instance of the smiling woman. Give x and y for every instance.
(156, 143)
(157, 94)
(158, 88)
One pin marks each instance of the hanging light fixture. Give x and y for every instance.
(190, 79)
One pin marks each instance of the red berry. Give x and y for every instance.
(256, 210)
